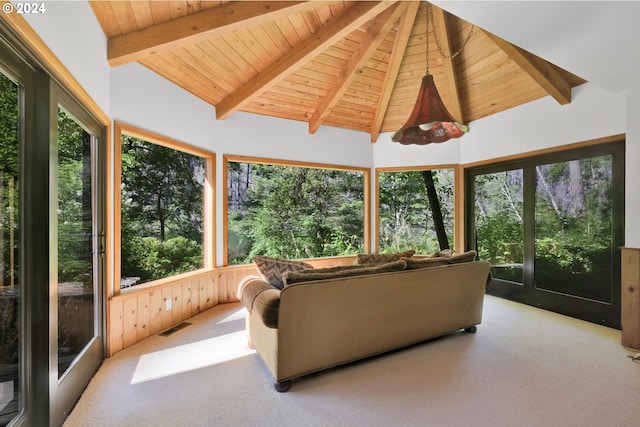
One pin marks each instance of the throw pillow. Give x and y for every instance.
(272, 269)
(310, 276)
(443, 253)
(382, 258)
(417, 263)
(463, 257)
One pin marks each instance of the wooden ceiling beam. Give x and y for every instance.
(405, 26)
(333, 31)
(442, 33)
(376, 31)
(199, 26)
(539, 69)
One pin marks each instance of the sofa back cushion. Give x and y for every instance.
(384, 258)
(272, 270)
(335, 273)
(434, 261)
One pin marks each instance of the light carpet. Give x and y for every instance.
(524, 367)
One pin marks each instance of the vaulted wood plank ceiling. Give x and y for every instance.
(350, 64)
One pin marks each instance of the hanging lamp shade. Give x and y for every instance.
(430, 121)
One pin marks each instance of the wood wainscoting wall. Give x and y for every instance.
(135, 315)
(630, 296)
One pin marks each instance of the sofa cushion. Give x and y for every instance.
(463, 257)
(416, 263)
(330, 269)
(272, 269)
(312, 275)
(383, 258)
(443, 253)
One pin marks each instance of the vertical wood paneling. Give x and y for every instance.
(186, 299)
(166, 316)
(176, 306)
(114, 334)
(630, 310)
(143, 315)
(130, 321)
(155, 311)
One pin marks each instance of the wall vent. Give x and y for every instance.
(174, 329)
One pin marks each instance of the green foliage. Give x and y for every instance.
(498, 219)
(150, 258)
(162, 210)
(75, 228)
(9, 184)
(405, 218)
(294, 212)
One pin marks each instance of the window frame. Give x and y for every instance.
(458, 198)
(209, 211)
(278, 162)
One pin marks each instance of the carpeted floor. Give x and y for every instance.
(524, 367)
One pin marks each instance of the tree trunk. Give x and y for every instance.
(436, 211)
(547, 190)
(576, 189)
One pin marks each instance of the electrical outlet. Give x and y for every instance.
(167, 304)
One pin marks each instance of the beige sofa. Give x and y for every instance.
(309, 326)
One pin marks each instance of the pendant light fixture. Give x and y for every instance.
(430, 121)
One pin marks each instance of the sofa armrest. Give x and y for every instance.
(261, 299)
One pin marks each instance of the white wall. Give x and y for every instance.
(72, 32)
(387, 153)
(593, 113)
(632, 193)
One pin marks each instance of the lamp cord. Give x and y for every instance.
(429, 19)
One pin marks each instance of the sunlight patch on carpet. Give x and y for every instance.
(236, 315)
(189, 357)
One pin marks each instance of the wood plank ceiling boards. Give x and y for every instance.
(351, 64)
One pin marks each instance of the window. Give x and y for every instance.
(165, 207)
(415, 210)
(294, 211)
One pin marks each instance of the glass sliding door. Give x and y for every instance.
(10, 290)
(574, 228)
(552, 226)
(76, 231)
(79, 252)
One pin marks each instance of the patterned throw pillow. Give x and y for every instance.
(272, 269)
(381, 258)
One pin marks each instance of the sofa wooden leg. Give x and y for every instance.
(471, 329)
(283, 386)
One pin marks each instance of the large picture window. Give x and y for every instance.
(415, 210)
(293, 211)
(164, 188)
